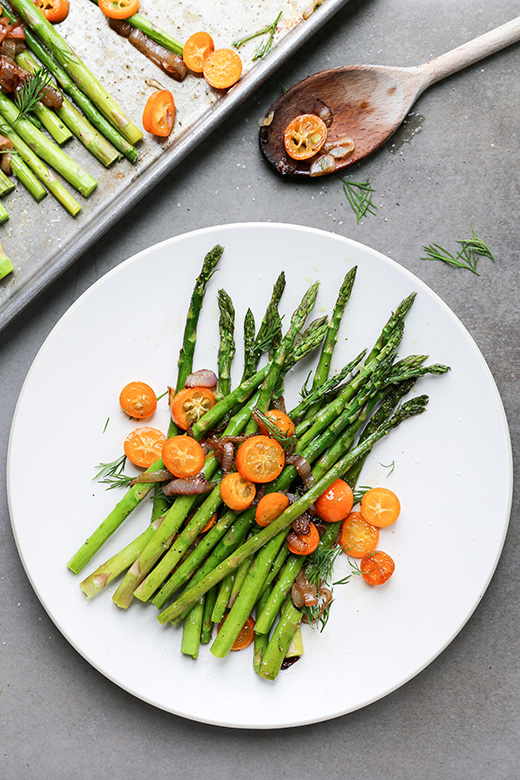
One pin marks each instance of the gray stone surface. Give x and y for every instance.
(457, 720)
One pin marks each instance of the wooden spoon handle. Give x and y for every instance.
(471, 52)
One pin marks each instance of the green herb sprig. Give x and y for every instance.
(111, 474)
(265, 47)
(28, 96)
(467, 257)
(287, 441)
(359, 196)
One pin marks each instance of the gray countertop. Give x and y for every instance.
(453, 165)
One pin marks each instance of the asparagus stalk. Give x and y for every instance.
(250, 362)
(207, 622)
(185, 362)
(84, 131)
(323, 369)
(155, 33)
(279, 362)
(24, 174)
(282, 523)
(224, 594)
(69, 60)
(46, 149)
(52, 123)
(46, 176)
(185, 365)
(276, 650)
(4, 216)
(226, 350)
(6, 267)
(108, 571)
(192, 629)
(270, 327)
(6, 184)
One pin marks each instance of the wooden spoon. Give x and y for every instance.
(365, 103)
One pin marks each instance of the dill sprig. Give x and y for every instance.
(111, 474)
(467, 257)
(265, 47)
(28, 95)
(320, 565)
(359, 196)
(314, 619)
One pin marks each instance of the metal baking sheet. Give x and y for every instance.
(42, 240)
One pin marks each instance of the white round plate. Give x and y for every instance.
(455, 497)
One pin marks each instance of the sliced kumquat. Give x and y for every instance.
(270, 507)
(137, 399)
(376, 568)
(260, 459)
(119, 9)
(281, 420)
(143, 446)
(183, 456)
(190, 404)
(335, 503)
(304, 136)
(245, 635)
(380, 506)
(196, 49)
(303, 544)
(358, 538)
(55, 11)
(222, 68)
(237, 492)
(159, 113)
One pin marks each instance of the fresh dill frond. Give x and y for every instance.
(359, 196)
(356, 571)
(390, 466)
(106, 424)
(265, 46)
(472, 249)
(111, 474)
(28, 96)
(320, 565)
(314, 618)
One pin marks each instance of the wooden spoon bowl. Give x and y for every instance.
(366, 103)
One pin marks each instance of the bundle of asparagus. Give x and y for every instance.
(84, 109)
(201, 575)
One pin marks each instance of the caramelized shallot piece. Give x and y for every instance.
(204, 377)
(190, 486)
(6, 146)
(168, 62)
(303, 468)
(303, 592)
(161, 475)
(323, 165)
